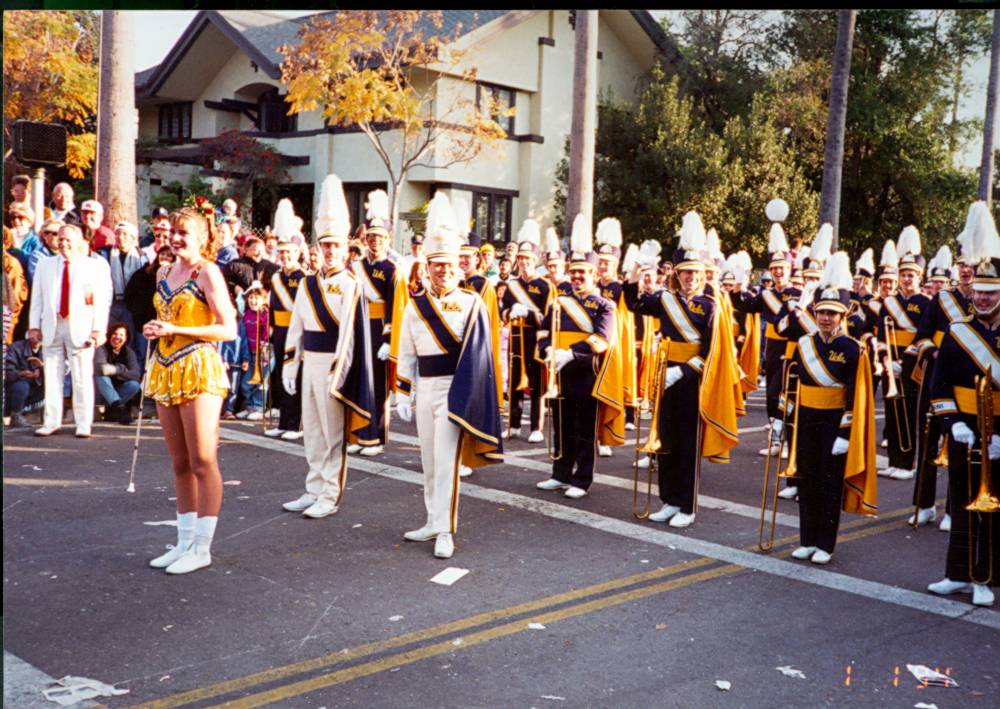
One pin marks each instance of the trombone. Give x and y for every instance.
(765, 541)
(653, 444)
(516, 326)
(896, 392)
(552, 384)
(986, 501)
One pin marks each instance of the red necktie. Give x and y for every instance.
(64, 296)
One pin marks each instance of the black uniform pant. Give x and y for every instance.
(381, 421)
(972, 533)
(680, 435)
(289, 406)
(925, 482)
(900, 420)
(574, 426)
(821, 477)
(524, 356)
(774, 353)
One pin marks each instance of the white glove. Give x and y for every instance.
(383, 352)
(911, 350)
(897, 369)
(109, 370)
(404, 408)
(674, 375)
(517, 311)
(961, 433)
(563, 357)
(995, 447)
(776, 427)
(840, 446)
(289, 384)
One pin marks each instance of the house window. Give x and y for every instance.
(272, 113)
(356, 194)
(493, 100)
(491, 213)
(175, 121)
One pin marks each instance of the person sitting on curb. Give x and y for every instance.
(116, 374)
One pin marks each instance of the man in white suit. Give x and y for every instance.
(69, 305)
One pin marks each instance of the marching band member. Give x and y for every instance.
(284, 286)
(523, 307)
(382, 285)
(445, 347)
(645, 263)
(555, 263)
(589, 400)
(835, 421)
(746, 326)
(609, 241)
(946, 307)
(969, 351)
(861, 293)
(905, 308)
(685, 318)
(328, 336)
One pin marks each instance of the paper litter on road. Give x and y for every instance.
(355, 526)
(788, 671)
(723, 685)
(553, 697)
(33, 467)
(924, 705)
(162, 523)
(927, 676)
(232, 482)
(394, 618)
(536, 626)
(72, 690)
(449, 576)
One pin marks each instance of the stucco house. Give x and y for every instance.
(223, 73)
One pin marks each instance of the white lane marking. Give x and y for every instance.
(704, 501)
(23, 684)
(648, 534)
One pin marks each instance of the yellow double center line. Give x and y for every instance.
(886, 522)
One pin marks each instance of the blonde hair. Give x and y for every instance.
(198, 223)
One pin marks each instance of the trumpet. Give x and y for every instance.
(986, 501)
(895, 392)
(552, 383)
(653, 443)
(765, 537)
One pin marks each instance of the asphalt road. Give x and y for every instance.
(565, 604)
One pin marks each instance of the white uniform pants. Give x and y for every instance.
(81, 367)
(439, 440)
(323, 429)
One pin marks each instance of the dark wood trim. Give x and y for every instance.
(221, 106)
(528, 138)
(600, 54)
(196, 155)
(473, 188)
(547, 41)
(208, 172)
(288, 134)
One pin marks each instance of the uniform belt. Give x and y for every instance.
(313, 341)
(938, 336)
(442, 365)
(568, 339)
(680, 352)
(790, 349)
(904, 338)
(282, 318)
(771, 333)
(817, 397)
(965, 398)
(376, 311)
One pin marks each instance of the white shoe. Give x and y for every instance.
(424, 534)
(643, 463)
(511, 433)
(982, 595)
(292, 436)
(604, 451)
(884, 443)
(243, 414)
(444, 546)
(353, 448)
(771, 450)
(172, 555)
(536, 437)
(551, 484)
(924, 516)
(945, 587)
(945, 525)
(464, 471)
(803, 553)
(304, 502)
(784, 452)
(665, 513)
(681, 520)
(275, 432)
(193, 559)
(369, 451)
(630, 427)
(320, 509)
(900, 474)
(821, 557)
(789, 493)
(885, 472)
(255, 416)
(82, 432)
(575, 493)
